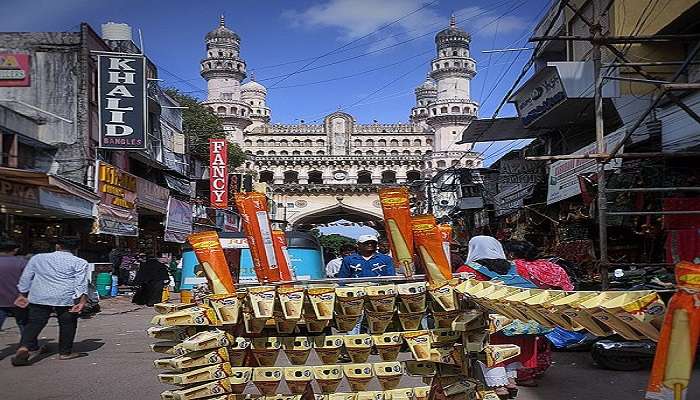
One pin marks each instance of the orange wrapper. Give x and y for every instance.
(428, 243)
(253, 209)
(675, 352)
(397, 218)
(283, 261)
(210, 255)
(446, 234)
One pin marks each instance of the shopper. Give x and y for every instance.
(11, 267)
(366, 262)
(54, 282)
(333, 266)
(151, 278)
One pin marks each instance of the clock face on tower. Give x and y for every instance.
(340, 176)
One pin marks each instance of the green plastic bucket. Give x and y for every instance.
(104, 284)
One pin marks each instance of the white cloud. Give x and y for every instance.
(357, 18)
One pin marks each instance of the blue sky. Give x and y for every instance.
(277, 34)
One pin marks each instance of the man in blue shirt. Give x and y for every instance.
(366, 262)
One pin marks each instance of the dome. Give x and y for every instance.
(222, 32)
(452, 31)
(428, 85)
(253, 86)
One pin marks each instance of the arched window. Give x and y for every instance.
(369, 143)
(455, 162)
(266, 176)
(320, 152)
(296, 142)
(388, 177)
(406, 143)
(315, 177)
(443, 110)
(221, 110)
(259, 153)
(369, 153)
(446, 65)
(248, 142)
(296, 153)
(357, 143)
(308, 142)
(358, 152)
(291, 177)
(455, 110)
(308, 153)
(248, 152)
(364, 177)
(407, 152)
(394, 143)
(434, 111)
(412, 176)
(466, 110)
(234, 110)
(441, 164)
(284, 153)
(320, 142)
(382, 152)
(260, 142)
(394, 152)
(429, 142)
(417, 143)
(271, 153)
(284, 142)
(428, 152)
(418, 152)
(381, 142)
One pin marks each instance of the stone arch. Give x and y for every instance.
(455, 109)
(417, 143)
(315, 177)
(266, 176)
(394, 143)
(364, 177)
(381, 142)
(412, 175)
(388, 176)
(335, 212)
(291, 176)
(221, 110)
(406, 143)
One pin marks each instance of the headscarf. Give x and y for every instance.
(484, 247)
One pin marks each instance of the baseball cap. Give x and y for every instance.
(367, 238)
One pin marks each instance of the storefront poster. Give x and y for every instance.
(152, 196)
(563, 181)
(218, 173)
(122, 101)
(116, 212)
(178, 223)
(517, 179)
(539, 96)
(14, 70)
(180, 185)
(66, 203)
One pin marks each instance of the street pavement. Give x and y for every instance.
(118, 366)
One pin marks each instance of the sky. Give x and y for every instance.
(315, 57)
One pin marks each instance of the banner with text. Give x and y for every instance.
(116, 212)
(122, 101)
(178, 222)
(218, 173)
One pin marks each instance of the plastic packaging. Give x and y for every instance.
(397, 215)
(210, 255)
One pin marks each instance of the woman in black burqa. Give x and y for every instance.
(151, 278)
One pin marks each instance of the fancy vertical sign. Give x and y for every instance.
(122, 101)
(218, 173)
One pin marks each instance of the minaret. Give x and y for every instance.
(452, 70)
(223, 69)
(426, 94)
(254, 94)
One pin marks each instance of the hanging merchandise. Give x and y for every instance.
(446, 234)
(282, 256)
(256, 223)
(675, 353)
(210, 255)
(397, 215)
(428, 242)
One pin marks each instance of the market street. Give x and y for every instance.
(119, 366)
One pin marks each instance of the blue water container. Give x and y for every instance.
(115, 286)
(306, 255)
(189, 265)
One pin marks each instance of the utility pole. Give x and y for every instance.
(596, 32)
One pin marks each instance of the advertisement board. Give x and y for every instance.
(116, 212)
(218, 173)
(14, 70)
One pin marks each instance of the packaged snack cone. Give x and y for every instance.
(425, 369)
(194, 360)
(445, 319)
(358, 347)
(340, 396)
(204, 341)
(399, 394)
(262, 301)
(298, 378)
(492, 298)
(214, 388)
(210, 255)
(252, 324)
(388, 345)
(370, 395)
(167, 308)
(475, 342)
(641, 310)
(297, 349)
(195, 316)
(379, 321)
(351, 299)
(344, 323)
(267, 379)
(468, 287)
(677, 346)
(313, 324)
(284, 263)
(328, 377)
(388, 374)
(358, 376)
(291, 301)
(410, 321)
(470, 320)
(517, 302)
(451, 355)
(421, 392)
(563, 310)
(227, 308)
(617, 325)
(240, 376)
(419, 342)
(382, 297)
(584, 315)
(488, 395)
(283, 324)
(428, 243)
(253, 209)
(498, 353)
(328, 348)
(237, 351)
(397, 216)
(165, 348)
(413, 296)
(171, 333)
(278, 397)
(498, 322)
(444, 295)
(199, 375)
(444, 337)
(541, 304)
(446, 236)
(323, 301)
(266, 350)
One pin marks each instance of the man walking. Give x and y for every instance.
(367, 262)
(11, 267)
(52, 282)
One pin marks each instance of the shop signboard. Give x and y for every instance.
(178, 222)
(541, 94)
(66, 203)
(116, 212)
(218, 173)
(14, 70)
(17, 193)
(563, 181)
(517, 179)
(152, 196)
(122, 101)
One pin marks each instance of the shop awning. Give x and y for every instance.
(496, 129)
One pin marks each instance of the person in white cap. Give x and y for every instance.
(366, 262)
